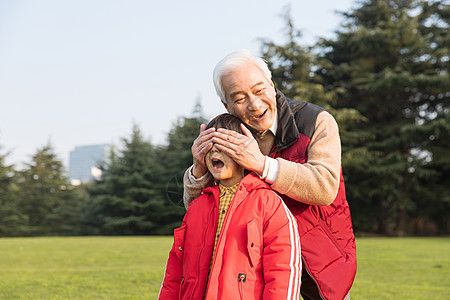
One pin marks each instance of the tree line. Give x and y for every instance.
(139, 192)
(384, 77)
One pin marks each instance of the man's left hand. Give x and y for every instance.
(243, 149)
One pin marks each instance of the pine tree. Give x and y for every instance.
(291, 64)
(141, 188)
(126, 200)
(293, 72)
(390, 63)
(12, 221)
(176, 157)
(43, 189)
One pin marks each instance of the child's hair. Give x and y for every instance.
(227, 121)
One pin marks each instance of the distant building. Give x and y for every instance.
(84, 162)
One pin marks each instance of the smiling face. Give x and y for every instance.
(250, 96)
(223, 168)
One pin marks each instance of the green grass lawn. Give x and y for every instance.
(82, 267)
(133, 267)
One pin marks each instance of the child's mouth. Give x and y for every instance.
(217, 163)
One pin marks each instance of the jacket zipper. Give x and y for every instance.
(200, 252)
(181, 286)
(241, 279)
(313, 279)
(220, 236)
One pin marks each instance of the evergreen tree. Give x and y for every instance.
(291, 65)
(67, 214)
(43, 189)
(12, 221)
(176, 157)
(433, 198)
(141, 188)
(293, 72)
(126, 200)
(390, 63)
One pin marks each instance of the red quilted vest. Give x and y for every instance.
(326, 232)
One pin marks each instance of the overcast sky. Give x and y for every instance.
(82, 72)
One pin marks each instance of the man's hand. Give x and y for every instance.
(199, 148)
(243, 149)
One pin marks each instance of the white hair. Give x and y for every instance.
(232, 61)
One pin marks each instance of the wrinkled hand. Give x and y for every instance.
(199, 148)
(243, 149)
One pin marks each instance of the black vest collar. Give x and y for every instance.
(287, 131)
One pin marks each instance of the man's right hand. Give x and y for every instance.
(200, 147)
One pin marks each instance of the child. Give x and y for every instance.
(238, 240)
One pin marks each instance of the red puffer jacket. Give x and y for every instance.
(326, 232)
(257, 254)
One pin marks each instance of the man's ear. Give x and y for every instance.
(273, 86)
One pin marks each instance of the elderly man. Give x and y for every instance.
(295, 147)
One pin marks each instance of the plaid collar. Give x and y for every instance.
(228, 190)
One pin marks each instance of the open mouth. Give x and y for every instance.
(260, 116)
(217, 163)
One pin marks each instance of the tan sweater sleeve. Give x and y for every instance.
(193, 187)
(316, 181)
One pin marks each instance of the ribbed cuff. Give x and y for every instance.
(194, 180)
(270, 172)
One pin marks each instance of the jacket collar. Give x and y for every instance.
(248, 184)
(287, 131)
